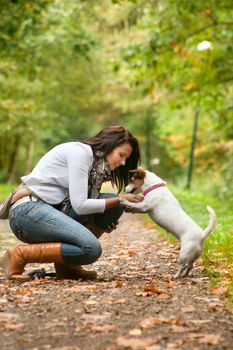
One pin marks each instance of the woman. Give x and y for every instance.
(71, 172)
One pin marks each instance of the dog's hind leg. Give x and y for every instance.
(187, 270)
(181, 270)
(184, 270)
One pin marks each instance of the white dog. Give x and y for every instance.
(165, 210)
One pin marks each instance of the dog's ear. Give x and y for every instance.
(139, 173)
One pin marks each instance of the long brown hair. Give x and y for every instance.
(108, 139)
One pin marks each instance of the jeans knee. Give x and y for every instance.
(94, 251)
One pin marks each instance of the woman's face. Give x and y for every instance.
(119, 155)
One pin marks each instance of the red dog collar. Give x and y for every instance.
(151, 188)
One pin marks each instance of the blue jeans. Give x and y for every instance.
(39, 222)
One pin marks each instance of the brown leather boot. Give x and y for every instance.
(15, 259)
(74, 272)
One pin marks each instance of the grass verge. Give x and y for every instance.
(5, 190)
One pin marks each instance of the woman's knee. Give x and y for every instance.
(93, 251)
(81, 255)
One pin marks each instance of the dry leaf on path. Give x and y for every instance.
(94, 318)
(211, 339)
(135, 331)
(119, 301)
(135, 343)
(197, 322)
(155, 321)
(179, 329)
(12, 327)
(150, 322)
(153, 289)
(188, 308)
(131, 253)
(107, 328)
(69, 347)
(6, 316)
(118, 284)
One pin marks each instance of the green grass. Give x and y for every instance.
(5, 190)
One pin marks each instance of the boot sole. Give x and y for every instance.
(75, 276)
(19, 278)
(67, 272)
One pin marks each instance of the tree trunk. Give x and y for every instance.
(28, 166)
(12, 169)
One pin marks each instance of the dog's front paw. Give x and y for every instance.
(123, 201)
(126, 205)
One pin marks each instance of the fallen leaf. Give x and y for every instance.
(23, 299)
(211, 339)
(201, 321)
(150, 322)
(70, 347)
(119, 301)
(22, 291)
(154, 321)
(93, 318)
(135, 331)
(5, 316)
(188, 308)
(118, 284)
(54, 324)
(103, 329)
(90, 302)
(59, 334)
(219, 290)
(3, 301)
(135, 343)
(153, 289)
(131, 253)
(179, 329)
(216, 306)
(13, 327)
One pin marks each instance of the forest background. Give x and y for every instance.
(69, 68)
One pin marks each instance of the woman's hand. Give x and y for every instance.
(135, 198)
(112, 227)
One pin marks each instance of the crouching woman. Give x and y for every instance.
(72, 173)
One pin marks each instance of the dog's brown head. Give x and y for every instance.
(136, 180)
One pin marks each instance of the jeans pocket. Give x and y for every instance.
(37, 211)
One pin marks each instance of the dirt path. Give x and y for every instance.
(134, 303)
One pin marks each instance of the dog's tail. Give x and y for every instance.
(211, 225)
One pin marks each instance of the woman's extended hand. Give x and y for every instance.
(135, 198)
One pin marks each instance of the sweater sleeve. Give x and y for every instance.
(79, 163)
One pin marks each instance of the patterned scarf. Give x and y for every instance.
(99, 173)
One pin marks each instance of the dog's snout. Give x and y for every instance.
(130, 188)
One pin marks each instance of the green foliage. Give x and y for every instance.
(163, 61)
(69, 67)
(5, 190)
(43, 43)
